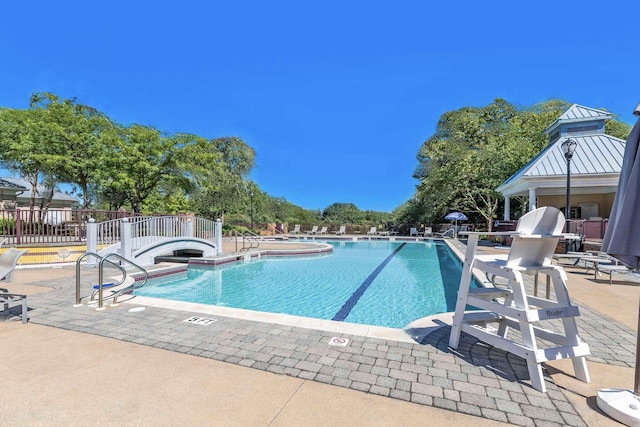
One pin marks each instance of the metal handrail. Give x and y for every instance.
(252, 239)
(104, 259)
(124, 277)
(248, 236)
(119, 292)
(83, 256)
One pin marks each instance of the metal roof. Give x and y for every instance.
(22, 183)
(594, 155)
(4, 184)
(579, 113)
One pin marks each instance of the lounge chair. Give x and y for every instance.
(342, 230)
(8, 261)
(313, 230)
(7, 298)
(576, 257)
(450, 233)
(413, 232)
(611, 269)
(296, 229)
(372, 231)
(428, 231)
(323, 230)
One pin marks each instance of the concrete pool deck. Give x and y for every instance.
(77, 366)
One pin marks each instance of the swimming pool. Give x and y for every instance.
(380, 283)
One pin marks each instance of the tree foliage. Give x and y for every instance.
(76, 139)
(219, 169)
(61, 141)
(141, 162)
(473, 151)
(24, 137)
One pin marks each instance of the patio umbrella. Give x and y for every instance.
(621, 240)
(456, 216)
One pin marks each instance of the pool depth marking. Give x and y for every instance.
(353, 300)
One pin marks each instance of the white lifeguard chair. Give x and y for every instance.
(534, 243)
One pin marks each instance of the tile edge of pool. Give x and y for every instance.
(414, 332)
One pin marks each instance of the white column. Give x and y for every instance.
(507, 208)
(92, 242)
(218, 236)
(125, 239)
(532, 199)
(188, 228)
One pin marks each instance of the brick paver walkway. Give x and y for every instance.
(475, 379)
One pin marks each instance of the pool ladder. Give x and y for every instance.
(100, 290)
(249, 241)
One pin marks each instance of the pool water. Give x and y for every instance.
(381, 283)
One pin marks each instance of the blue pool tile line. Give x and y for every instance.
(353, 300)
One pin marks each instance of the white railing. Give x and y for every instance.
(109, 232)
(129, 235)
(149, 230)
(204, 229)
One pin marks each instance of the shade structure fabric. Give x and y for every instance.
(622, 238)
(458, 216)
(622, 241)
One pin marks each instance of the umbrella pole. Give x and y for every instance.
(636, 382)
(620, 404)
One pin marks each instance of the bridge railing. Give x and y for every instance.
(148, 230)
(204, 229)
(108, 232)
(133, 234)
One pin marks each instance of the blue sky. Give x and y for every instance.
(335, 97)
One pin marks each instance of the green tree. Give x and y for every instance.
(142, 161)
(345, 213)
(76, 137)
(473, 151)
(219, 169)
(25, 145)
(615, 127)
